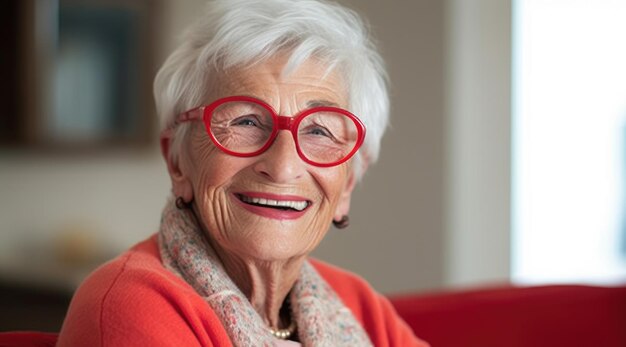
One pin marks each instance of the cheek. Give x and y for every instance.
(208, 173)
(213, 172)
(204, 161)
(332, 181)
(210, 185)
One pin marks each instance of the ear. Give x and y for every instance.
(181, 183)
(343, 207)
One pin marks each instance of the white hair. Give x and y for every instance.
(240, 33)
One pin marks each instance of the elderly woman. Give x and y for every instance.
(264, 110)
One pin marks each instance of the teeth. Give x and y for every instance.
(296, 205)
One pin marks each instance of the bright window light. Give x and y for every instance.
(569, 141)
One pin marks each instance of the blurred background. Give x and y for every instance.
(505, 161)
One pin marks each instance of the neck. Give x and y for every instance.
(266, 284)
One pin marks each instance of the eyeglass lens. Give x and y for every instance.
(246, 127)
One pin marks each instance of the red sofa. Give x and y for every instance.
(546, 316)
(550, 316)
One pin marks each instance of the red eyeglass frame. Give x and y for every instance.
(280, 123)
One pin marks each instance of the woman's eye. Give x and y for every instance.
(245, 121)
(320, 131)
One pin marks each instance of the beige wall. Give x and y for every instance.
(397, 234)
(478, 132)
(407, 230)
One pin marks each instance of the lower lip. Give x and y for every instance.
(272, 213)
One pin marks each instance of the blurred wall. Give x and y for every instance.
(396, 239)
(478, 133)
(409, 217)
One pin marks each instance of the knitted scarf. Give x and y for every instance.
(322, 319)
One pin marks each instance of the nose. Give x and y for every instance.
(281, 162)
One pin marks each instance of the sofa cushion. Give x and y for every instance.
(555, 315)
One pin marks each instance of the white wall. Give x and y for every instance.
(117, 197)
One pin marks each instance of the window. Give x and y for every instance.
(569, 140)
(78, 73)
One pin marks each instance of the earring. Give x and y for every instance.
(181, 204)
(342, 223)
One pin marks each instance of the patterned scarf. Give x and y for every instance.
(321, 317)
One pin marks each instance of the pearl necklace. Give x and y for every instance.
(284, 334)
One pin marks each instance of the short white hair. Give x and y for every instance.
(240, 33)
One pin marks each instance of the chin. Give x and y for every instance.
(274, 250)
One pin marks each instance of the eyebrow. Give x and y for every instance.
(309, 104)
(318, 103)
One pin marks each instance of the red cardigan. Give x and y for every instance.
(134, 301)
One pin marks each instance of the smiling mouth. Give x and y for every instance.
(283, 205)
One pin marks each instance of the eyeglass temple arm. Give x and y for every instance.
(187, 116)
(193, 114)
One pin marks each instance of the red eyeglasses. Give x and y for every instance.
(243, 126)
